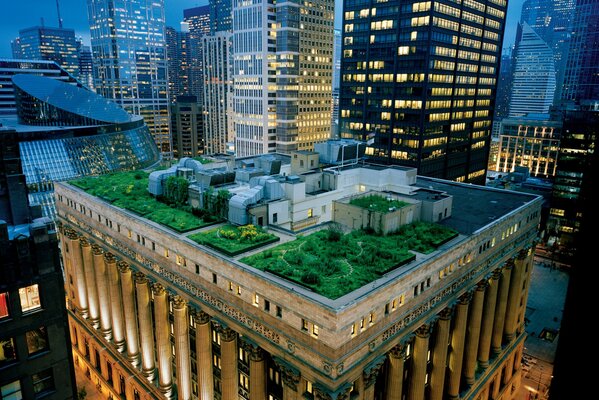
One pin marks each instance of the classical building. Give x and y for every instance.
(419, 80)
(531, 141)
(35, 357)
(153, 314)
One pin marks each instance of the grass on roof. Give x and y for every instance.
(377, 203)
(334, 264)
(129, 190)
(202, 160)
(233, 240)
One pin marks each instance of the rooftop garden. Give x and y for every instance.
(377, 203)
(233, 240)
(202, 160)
(128, 190)
(333, 264)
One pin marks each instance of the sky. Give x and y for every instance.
(20, 14)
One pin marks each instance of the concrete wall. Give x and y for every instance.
(359, 218)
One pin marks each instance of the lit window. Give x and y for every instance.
(304, 325)
(315, 330)
(30, 298)
(4, 312)
(37, 340)
(309, 388)
(11, 391)
(43, 382)
(256, 300)
(7, 352)
(310, 213)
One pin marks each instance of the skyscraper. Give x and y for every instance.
(282, 77)
(179, 61)
(129, 51)
(533, 85)
(581, 80)
(336, 82)
(187, 127)
(504, 90)
(218, 91)
(45, 43)
(86, 66)
(221, 16)
(419, 80)
(198, 20)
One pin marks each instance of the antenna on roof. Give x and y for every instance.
(58, 11)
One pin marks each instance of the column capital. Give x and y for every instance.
(496, 274)
(158, 289)
(481, 286)
(465, 298)
(446, 313)
(83, 241)
(255, 352)
(109, 257)
(509, 264)
(423, 331)
(71, 234)
(97, 250)
(228, 334)
(200, 317)
(123, 267)
(290, 374)
(372, 370)
(140, 278)
(179, 302)
(398, 351)
(323, 393)
(523, 253)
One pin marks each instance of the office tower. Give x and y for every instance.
(52, 44)
(221, 17)
(86, 66)
(552, 21)
(336, 83)
(282, 79)
(419, 80)
(129, 51)
(447, 320)
(504, 90)
(218, 91)
(198, 20)
(35, 350)
(581, 80)
(187, 127)
(533, 85)
(532, 142)
(10, 67)
(179, 62)
(64, 132)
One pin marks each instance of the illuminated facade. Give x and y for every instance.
(282, 74)
(52, 44)
(129, 51)
(187, 127)
(86, 66)
(419, 79)
(179, 62)
(529, 142)
(218, 91)
(336, 83)
(174, 318)
(198, 21)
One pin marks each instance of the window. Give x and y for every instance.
(315, 330)
(30, 298)
(244, 381)
(214, 279)
(7, 352)
(4, 312)
(279, 312)
(37, 340)
(275, 218)
(197, 269)
(266, 305)
(304, 325)
(310, 212)
(256, 300)
(11, 391)
(43, 381)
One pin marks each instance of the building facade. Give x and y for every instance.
(336, 83)
(51, 44)
(218, 91)
(533, 86)
(529, 142)
(179, 62)
(198, 21)
(166, 315)
(35, 348)
(86, 66)
(282, 73)
(129, 51)
(420, 79)
(189, 139)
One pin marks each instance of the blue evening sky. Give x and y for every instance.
(19, 14)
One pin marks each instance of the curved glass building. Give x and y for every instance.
(65, 132)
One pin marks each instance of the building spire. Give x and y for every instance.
(58, 11)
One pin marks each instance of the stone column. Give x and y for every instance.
(502, 296)
(163, 339)
(92, 292)
(146, 330)
(439, 361)
(182, 352)
(291, 380)
(229, 373)
(103, 294)
(473, 332)
(116, 301)
(257, 373)
(456, 355)
(484, 345)
(395, 372)
(78, 272)
(204, 355)
(129, 311)
(369, 377)
(419, 360)
(513, 304)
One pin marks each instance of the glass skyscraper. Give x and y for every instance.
(198, 20)
(419, 80)
(129, 51)
(179, 61)
(52, 44)
(86, 66)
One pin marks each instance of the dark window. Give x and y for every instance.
(279, 311)
(275, 218)
(197, 269)
(214, 279)
(266, 305)
(37, 340)
(43, 382)
(7, 352)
